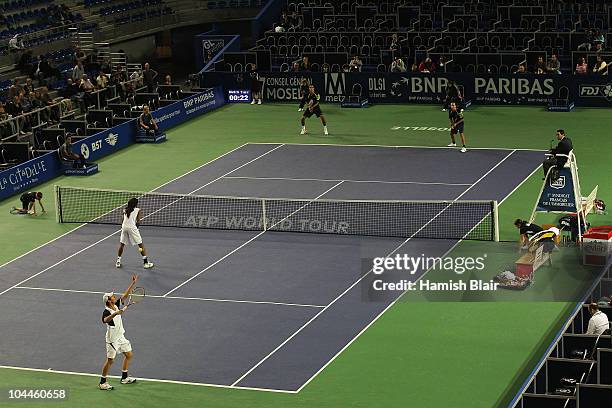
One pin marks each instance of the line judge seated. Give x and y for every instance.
(68, 156)
(146, 123)
(558, 156)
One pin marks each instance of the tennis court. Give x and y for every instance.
(244, 308)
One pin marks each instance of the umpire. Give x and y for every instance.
(564, 147)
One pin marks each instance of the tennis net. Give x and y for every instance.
(475, 220)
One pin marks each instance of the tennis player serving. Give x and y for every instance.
(129, 232)
(115, 339)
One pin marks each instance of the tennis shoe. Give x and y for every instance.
(325, 131)
(106, 386)
(300, 109)
(463, 149)
(118, 264)
(259, 102)
(128, 380)
(253, 102)
(303, 132)
(148, 265)
(452, 145)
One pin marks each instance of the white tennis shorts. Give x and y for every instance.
(122, 345)
(130, 235)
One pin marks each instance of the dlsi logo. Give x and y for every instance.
(335, 87)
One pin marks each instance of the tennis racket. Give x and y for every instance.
(138, 293)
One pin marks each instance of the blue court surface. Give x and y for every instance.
(247, 309)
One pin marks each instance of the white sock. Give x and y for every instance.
(303, 127)
(119, 258)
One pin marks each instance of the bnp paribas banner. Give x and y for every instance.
(527, 89)
(558, 195)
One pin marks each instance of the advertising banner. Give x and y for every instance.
(559, 195)
(25, 176)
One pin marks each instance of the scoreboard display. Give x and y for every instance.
(238, 96)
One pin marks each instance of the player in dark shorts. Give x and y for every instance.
(314, 108)
(28, 203)
(455, 117)
(527, 230)
(303, 93)
(255, 85)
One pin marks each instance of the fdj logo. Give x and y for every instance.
(558, 183)
(597, 91)
(335, 87)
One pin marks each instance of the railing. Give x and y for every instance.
(33, 118)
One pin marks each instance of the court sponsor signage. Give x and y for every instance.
(210, 48)
(558, 195)
(25, 176)
(596, 93)
(107, 142)
(283, 87)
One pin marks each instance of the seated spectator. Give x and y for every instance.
(14, 109)
(79, 56)
(28, 86)
(15, 44)
(540, 65)
(599, 41)
(78, 71)
(598, 323)
(66, 154)
(168, 80)
(427, 66)
(521, 69)
(600, 67)
(283, 24)
(305, 64)
(398, 65)
(295, 22)
(147, 123)
(414, 68)
(53, 111)
(295, 67)
(588, 41)
(355, 64)
(582, 67)
(101, 80)
(394, 46)
(25, 63)
(554, 66)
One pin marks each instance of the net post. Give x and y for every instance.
(495, 210)
(58, 208)
(263, 214)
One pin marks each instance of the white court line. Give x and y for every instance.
(400, 296)
(40, 370)
(404, 146)
(251, 240)
(110, 235)
(347, 181)
(254, 302)
(364, 275)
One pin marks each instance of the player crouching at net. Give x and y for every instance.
(129, 232)
(456, 124)
(314, 107)
(28, 204)
(115, 339)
